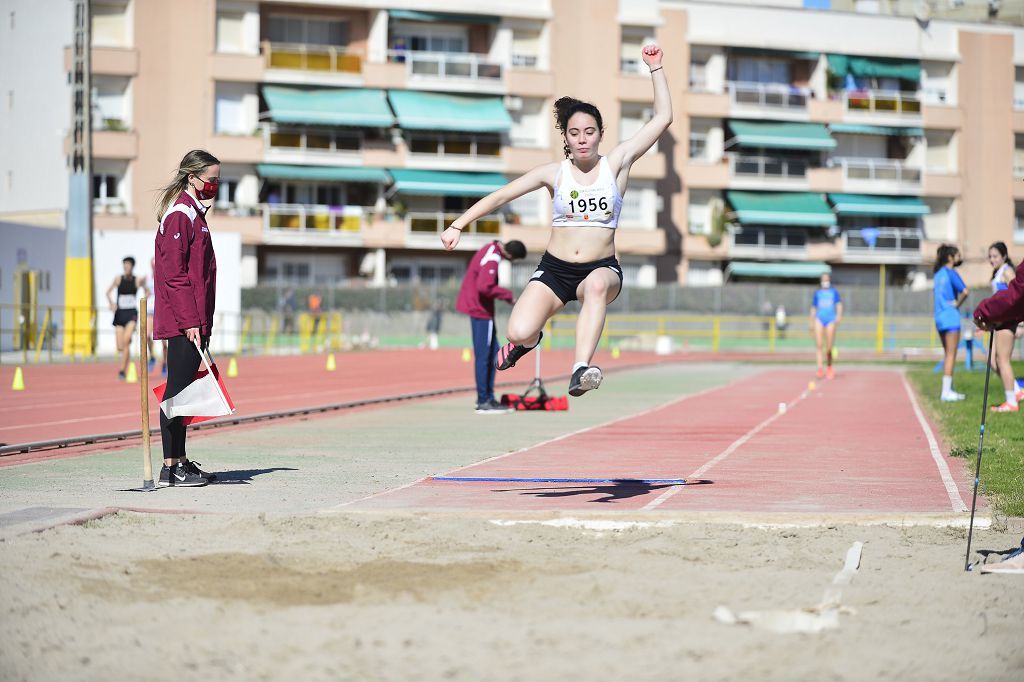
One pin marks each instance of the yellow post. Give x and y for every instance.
(548, 332)
(880, 330)
(772, 333)
(716, 333)
(246, 328)
(271, 333)
(42, 334)
(661, 325)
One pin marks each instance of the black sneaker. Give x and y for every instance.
(121, 376)
(585, 379)
(179, 476)
(492, 407)
(193, 467)
(509, 354)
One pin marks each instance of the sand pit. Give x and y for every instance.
(370, 596)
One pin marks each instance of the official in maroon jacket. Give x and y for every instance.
(476, 299)
(185, 285)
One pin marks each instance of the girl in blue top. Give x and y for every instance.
(950, 293)
(1002, 275)
(826, 312)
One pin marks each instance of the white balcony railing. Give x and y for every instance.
(881, 170)
(883, 243)
(767, 167)
(311, 141)
(770, 95)
(299, 218)
(319, 58)
(879, 102)
(457, 66)
(461, 148)
(436, 223)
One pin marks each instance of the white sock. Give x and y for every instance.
(947, 385)
(577, 366)
(1011, 397)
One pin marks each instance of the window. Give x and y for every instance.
(231, 32)
(529, 208)
(111, 103)
(529, 121)
(698, 145)
(525, 47)
(429, 38)
(106, 189)
(455, 145)
(633, 40)
(1018, 222)
(226, 193)
(304, 31)
(110, 26)
(1018, 88)
(639, 205)
(698, 76)
(699, 212)
(634, 116)
(234, 109)
(754, 70)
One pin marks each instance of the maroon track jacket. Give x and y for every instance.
(185, 271)
(480, 285)
(1004, 307)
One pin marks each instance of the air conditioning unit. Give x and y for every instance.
(513, 103)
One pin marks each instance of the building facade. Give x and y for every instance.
(352, 132)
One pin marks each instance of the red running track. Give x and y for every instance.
(853, 444)
(65, 401)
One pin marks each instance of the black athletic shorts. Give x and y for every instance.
(122, 316)
(563, 277)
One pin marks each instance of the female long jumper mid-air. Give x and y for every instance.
(580, 261)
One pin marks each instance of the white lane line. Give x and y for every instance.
(95, 417)
(577, 432)
(933, 446)
(735, 445)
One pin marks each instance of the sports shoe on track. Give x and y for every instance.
(952, 397)
(152, 364)
(492, 407)
(1005, 407)
(193, 467)
(510, 353)
(820, 373)
(179, 477)
(585, 379)
(121, 376)
(830, 372)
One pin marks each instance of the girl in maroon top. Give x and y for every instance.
(185, 284)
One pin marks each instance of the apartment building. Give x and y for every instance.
(352, 131)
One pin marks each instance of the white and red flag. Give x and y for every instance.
(205, 398)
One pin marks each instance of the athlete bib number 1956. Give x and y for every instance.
(582, 205)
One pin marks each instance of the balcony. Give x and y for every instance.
(900, 104)
(114, 143)
(777, 97)
(880, 176)
(297, 63)
(312, 146)
(455, 152)
(425, 228)
(755, 167)
(882, 245)
(769, 243)
(453, 71)
(314, 224)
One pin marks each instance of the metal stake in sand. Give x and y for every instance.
(981, 441)
(147, 460)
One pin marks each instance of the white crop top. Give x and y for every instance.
(594, 205)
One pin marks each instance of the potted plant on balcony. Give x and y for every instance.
(718, 224)
(399, 208)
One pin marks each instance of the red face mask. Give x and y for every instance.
(209, 190)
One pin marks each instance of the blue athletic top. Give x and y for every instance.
(825, 301)
(948, 286)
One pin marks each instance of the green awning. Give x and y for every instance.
(433, 111)
(861, 129)
(776, 135)
(443, 17)
(279, 171)
(795, 270)
(446, 183)
(329, 106)
(862, 67)
(870, 205)
(781, 208)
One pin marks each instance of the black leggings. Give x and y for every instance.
(182, 364)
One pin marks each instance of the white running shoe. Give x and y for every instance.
(952, 397)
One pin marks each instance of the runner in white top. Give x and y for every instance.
(1002, 275)
(580, 263)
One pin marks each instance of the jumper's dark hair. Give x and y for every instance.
(128, 259)
(1001, 248)
(516, 249)
(565, 107)
(943, 254)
